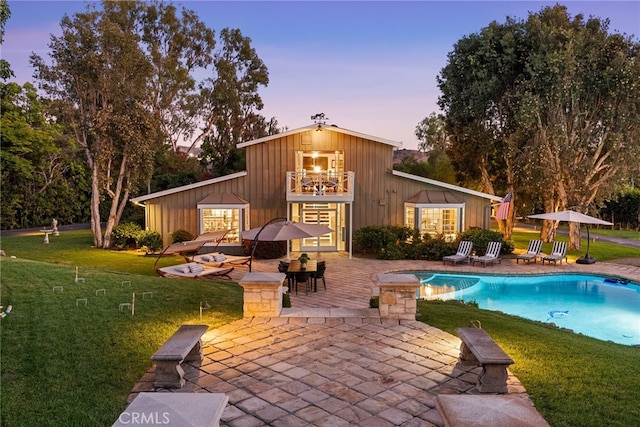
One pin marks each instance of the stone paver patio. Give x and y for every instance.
(331, 361)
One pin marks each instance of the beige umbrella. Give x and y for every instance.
(572, 216)
(280, 229)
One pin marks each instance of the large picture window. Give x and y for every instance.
(222, 219)
(224, 211)
(435, 221)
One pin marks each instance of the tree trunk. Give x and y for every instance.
(575, 239)
(548, 231)
(115, 202)
(96, 229)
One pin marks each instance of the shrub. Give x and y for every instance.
(286, 300)
(125, 236)
(151, 240)
(434, 248)
(266, 250)
(181, 236)
(391, 251)
(374, 237)
(481, 239)
(374, 301)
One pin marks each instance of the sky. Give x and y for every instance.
(369, 66)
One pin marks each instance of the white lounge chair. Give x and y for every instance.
(491, 256)
(535, 246)
(464, 251)
(217, 259)
(193, 270)
(558, 253)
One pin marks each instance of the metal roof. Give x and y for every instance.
(433, 197)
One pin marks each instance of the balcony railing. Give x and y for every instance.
(305, 186)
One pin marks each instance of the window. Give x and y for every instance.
(435, 221)
(222, 219)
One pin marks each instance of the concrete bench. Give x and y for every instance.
(174, 409)
(184, 345)
(488, 411)
(479, 348)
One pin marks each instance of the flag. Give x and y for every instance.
(503, 209)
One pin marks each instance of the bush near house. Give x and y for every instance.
(130, 235)
(125, 236)
(481, 238)
(265, 250)
(151, 241)
(392, 242)
(181, 236)
(374, 238)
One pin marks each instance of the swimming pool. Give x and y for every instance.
(586, 304)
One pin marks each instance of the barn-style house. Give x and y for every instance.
(319, 174)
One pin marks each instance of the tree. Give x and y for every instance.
(432, 133)
(177, 47)
(5, 69)
(42, 178)
(583, 91)
(99, 81)
(231, 102)
(550, 103)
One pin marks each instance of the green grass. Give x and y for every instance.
(625, 234)
(602, 251)
(75, 248)
(64, 363)
(573, 380)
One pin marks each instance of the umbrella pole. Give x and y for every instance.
(586, 259)
(255, 241)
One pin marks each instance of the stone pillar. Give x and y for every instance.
(398, 296)
(262, 294)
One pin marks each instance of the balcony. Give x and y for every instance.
(320, 187)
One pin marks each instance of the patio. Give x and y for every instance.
(331, 361)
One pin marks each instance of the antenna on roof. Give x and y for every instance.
(319, 119)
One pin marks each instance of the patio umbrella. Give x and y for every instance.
(572, 216)
(280, 229)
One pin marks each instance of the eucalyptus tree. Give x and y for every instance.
(178, 45)
(477, 87)
(547, 106)
(231, 102)
(581, 105)
(98, 79)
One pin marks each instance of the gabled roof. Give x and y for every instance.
(445, 185)
(140, 199)
(325, 128)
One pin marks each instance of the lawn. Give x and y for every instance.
(572, 379)
(66, 363)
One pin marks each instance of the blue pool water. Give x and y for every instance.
(585, 304)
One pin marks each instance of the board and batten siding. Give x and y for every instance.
(379, 196)
(179, 211)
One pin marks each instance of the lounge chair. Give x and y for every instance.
(217, 259)
(193, 270)
(558, 253)
(464, 251)
(535, 246)
(491, 256)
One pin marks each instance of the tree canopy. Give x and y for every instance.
(548, 106)
(121, 78)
